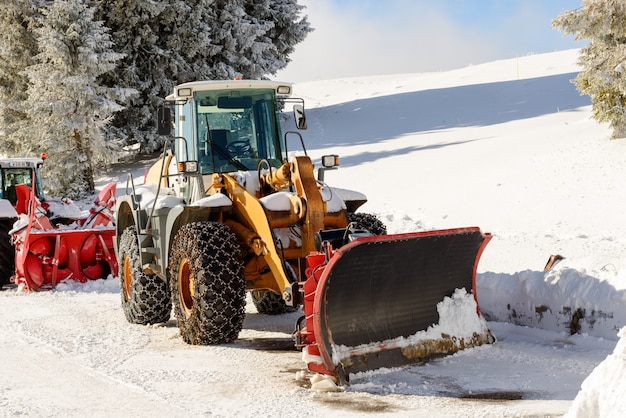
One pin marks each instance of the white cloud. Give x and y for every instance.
(404, 37)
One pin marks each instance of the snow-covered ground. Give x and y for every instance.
(508, 146)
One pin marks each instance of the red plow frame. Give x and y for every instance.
(373, 293)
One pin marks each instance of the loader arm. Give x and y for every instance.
(253, 213)
(306, 188)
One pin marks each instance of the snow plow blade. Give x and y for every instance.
(392, 300)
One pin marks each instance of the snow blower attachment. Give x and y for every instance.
(391, 300)
(47, 252)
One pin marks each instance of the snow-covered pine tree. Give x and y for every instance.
(288, 29)
(139, 30)
(603, 77)
(193, 44)
(246, 48)
(67, 103)
(17, 49)
(174, 41)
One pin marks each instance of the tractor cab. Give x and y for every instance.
(18, 173)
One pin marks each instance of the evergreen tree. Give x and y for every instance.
(68, 105)
(192, 40)
(288, 28)
(163, 43)
(603, 77)
(174, 41)
(17, 49)
(140, 30)
(242, 38)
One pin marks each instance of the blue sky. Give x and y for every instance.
(370, 37)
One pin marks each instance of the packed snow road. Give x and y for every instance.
(70, 352)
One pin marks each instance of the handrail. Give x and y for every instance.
(135, 201)
(301, 142)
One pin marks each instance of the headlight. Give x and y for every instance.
(188, 167)
(329, 161)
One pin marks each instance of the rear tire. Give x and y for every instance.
(207, 283)
(7, 251)
(368, 222)
(270, 303)
(145, 298)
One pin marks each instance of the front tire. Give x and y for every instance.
(207, 283)
(145, 298)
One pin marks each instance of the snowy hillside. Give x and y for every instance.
(518, 157)
(508, 146)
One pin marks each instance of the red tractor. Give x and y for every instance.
(44, 241)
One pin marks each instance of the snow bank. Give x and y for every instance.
(562, 299)
(602, 392)
(110, 285)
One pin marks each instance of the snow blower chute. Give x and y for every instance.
(392, 300)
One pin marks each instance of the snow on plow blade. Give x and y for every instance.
(392, 300)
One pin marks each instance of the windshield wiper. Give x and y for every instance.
(223, 152)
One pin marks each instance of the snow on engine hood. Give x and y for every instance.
(148, 197)
(334, 198)
(213, 201)
(347, 195)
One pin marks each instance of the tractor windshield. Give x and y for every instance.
(11, 177)
(236, 130)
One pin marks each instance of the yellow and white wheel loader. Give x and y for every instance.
(225, 210)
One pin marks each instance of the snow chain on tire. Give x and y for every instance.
(145, 298)
(368, 222)
(207, 283)
(270, 303)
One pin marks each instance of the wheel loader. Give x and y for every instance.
(228, 209)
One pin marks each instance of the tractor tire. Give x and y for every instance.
(207, 283)
(145, 298)
(270, 303)
(368, 222)
(7, 251)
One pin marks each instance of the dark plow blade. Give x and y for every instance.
(381, 288)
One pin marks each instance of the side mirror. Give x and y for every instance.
(300, 117)
(164, 121)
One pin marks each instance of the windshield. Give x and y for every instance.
(14, 176)
(236, 130)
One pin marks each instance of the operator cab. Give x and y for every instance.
(16, 171)
(236, 132)
(228, 126)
